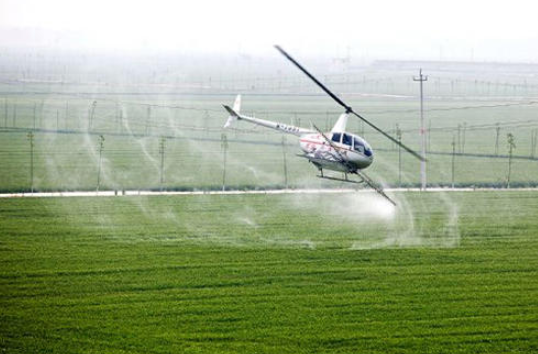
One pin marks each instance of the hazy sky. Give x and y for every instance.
(455, 29)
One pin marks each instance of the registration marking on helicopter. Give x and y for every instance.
(323, 144)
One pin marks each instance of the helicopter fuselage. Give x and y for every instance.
(336, 150)
(353, 149)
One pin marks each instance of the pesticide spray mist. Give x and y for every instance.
(364, 220)
(367, 220)
(421, 219)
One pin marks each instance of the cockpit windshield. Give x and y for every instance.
(361, 146)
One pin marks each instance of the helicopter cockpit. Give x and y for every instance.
(354, 142)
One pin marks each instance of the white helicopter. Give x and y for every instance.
(336, 150)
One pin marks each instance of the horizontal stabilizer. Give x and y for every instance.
(231, 111)
(233, 116)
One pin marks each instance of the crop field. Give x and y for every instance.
(301, 272)
(448, 273)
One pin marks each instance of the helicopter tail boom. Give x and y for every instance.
(286, 128)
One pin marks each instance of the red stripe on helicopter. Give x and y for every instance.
(322, 143)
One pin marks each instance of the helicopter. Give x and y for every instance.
(337, 150)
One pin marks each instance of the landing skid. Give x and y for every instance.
(340, 179)
(365, 179)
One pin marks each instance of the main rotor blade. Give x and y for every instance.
(343, 104)
(323, 87)
(399, 143)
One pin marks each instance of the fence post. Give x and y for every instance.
(5, 112)
(14, 110)
(161, 152)
(35, 115)
(121, 119)
(511, 147)
(90, 115)
(285, 162)
(463, 137)
(31, 139)
(148, 119)
(66, 114)
(399, 137)
(101, 147)
(534, 140)
(453, 159)
(224, 146)
(498, 131)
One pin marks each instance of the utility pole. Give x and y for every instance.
(463, 137)
(421, 78)
(5, 112)
(511, 147)
(117, 115)
(161, 152)
(399, 137)
(31, 139)
(101, 147)
(224, 146)
(459, 138)
(147, 119)
(66, 113)
(90, 115)
(393, 145)
(498, 130)
(429, 135)
(41, 115)
(121, 120)
(14, 110)
(35, 114)
(285, 162)
(453, 159)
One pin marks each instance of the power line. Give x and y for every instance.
(69, 150)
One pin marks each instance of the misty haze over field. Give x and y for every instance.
(412, 30)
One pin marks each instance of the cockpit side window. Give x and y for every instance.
(336, 137)
(347, 139)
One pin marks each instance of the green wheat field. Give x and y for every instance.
(270, 274)
(338, 272)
